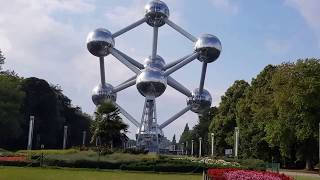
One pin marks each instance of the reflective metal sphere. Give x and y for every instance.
(156, 12)
(155, 64)
(151, 83)
(199, 102)
(209, 47)
(99, 41)
(101, 94)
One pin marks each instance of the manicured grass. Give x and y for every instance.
(306, 178)
(16, 173)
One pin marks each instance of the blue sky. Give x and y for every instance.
(46, 39)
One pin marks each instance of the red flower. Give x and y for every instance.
(233, 173)
(13, 158)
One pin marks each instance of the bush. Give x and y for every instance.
(135, 151)
(163, 166)
(47, 152)
(20, 163)
(82, 164)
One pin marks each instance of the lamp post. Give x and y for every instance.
(84, 134)
(236, 142)
(182, 149)
(200, 142)
(186, 147)
(212, 144)
(31, 125)
(65, 133)
(192, 141)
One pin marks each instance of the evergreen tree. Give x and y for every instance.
(108, 126)
(174, 139)
(2, 58)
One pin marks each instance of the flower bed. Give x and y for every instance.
(210, 162)
(233, 173)
(13, 158)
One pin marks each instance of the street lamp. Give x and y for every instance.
(212, 143)
(200, 142)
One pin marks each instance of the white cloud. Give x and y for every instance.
(309, 10)
(226, 6)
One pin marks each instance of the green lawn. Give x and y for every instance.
(16, 173)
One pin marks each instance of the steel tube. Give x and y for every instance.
(127, 115)
(181, 64)
(123, 60)
(180, 30)
(203, 77)
(155, 42)
(179, 87)
(132, 78)
(128, 28)
(174, 117)
(124, 86)
(131, 60)
(102, 72)
(170, 65)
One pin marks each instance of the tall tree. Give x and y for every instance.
(298, 112)
(225, 120)
(174, 139)
(2, 58)
(11, 98)
(108, 126)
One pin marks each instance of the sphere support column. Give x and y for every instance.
(148, 135)
(102, 72)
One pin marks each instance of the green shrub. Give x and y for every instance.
(20, 163)
(47, 151)
(135, 151)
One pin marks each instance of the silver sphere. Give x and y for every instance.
(101, 94)
(209, 47)
(199, 102)
(151, 83)
(155, 64)
(99, 41)
(156, 12)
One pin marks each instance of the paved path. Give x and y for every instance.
(297, 173)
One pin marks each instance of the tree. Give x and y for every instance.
(108, 126)
(297, 110)
(202, 128)
(11, 98)
(174, 139)
(74, 118)
(2, 58)
(225, 118)
(253, 111)
(186, 134)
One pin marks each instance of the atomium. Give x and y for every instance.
(209, 48)
(103, 93)
(152, 77)
(99, 41)
(199, 102)
(156, 12)
(151, 83)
